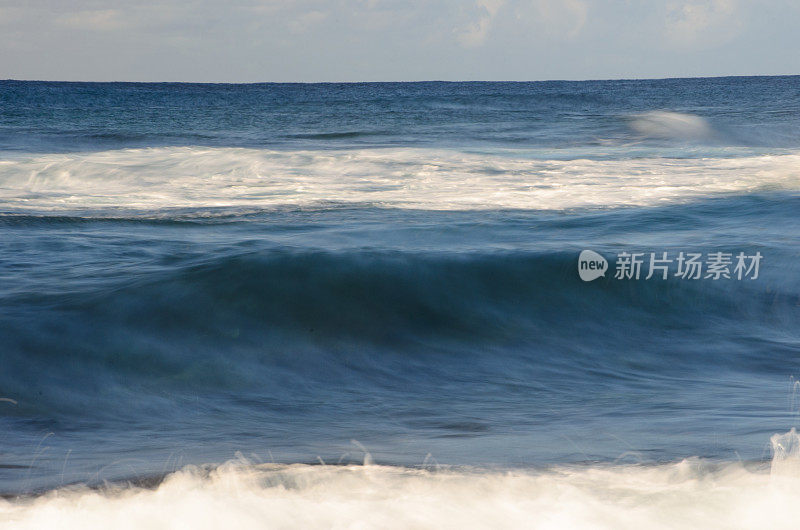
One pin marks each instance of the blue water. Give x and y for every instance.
(382, 291)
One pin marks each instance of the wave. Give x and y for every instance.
(689, 494)
(692, 132)
(237, 322)
(672, 125)
(429, 179)
(382, 295)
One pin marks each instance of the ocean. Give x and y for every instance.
(362, 305)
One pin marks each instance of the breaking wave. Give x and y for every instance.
(688, 494)
(411, 178)
(672, 125)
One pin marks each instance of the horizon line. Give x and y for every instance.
(408, 82)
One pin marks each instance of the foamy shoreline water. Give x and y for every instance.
(688, 494)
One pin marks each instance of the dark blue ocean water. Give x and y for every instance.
(188, 271)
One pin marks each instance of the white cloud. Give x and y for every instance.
(92, 20)
(475, 34)
(702, 24)
(561, 17)
(554, 18)
(311, 40)
(306, 21)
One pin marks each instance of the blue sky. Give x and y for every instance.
(389, 40)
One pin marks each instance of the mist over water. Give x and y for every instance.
(318, 277)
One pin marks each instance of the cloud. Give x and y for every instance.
(475, 33)
(306, 21)
(561, 17)
(553, 18)
(311, 40)
(92, 20)
(703, 24)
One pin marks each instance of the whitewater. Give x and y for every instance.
(148, 180)
(687, 494)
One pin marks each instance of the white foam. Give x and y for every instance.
(689, 494)
(431, 179)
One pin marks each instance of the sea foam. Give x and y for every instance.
(427, 179)
(687, 494)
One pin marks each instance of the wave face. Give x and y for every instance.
(396, 265)
(183, 339)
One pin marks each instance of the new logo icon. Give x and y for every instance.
(591, 265)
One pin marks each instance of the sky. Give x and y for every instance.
(395, 40)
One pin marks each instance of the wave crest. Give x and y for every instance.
(695, 494)
(671, 125)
